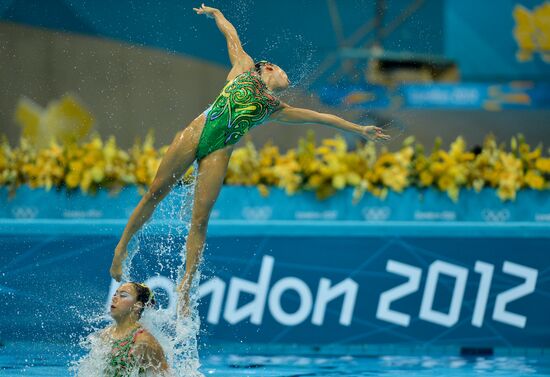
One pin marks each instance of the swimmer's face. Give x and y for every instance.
(275, 77)
(124, 302)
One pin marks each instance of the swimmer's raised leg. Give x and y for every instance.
(212, 169)
(178, 158)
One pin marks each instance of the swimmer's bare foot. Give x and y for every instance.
(116, 265)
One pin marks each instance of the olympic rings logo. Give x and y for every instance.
(376, 213)
(540, 217)
(257, 213)
(24, 212)
(499, 216)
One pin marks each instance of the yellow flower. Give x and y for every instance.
(315, 180)
(338, 143)
(426, 179)
(453, 192)
(324, 169)
(353, 178)
(324, 150)
(543, 164)
(386, 159)
(468, 156)
(72, 180)
(507, 191)
(86, 181)
(339, 181)
(457, 148)
(97, 173)
(534, 180)
(76, 166)
(379, 192)
(445, 182)
(478, 184)
(264, 191)
(395, 178)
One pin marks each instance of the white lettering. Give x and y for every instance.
(326, 293)
(486, 271)
(255, 308)
(215, 287)
(167, 285)
(384, 312)
(527, 287)
(262, 295)
(306, 301)
(426, 307)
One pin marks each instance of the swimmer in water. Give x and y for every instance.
(247, 100)
(132, 347)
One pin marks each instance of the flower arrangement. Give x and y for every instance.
(324, 169)
(88, 166)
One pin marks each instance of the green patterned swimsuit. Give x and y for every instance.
(123, 362)
(244, 102)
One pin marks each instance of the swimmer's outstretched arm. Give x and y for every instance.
(294, 115)
(240, 60)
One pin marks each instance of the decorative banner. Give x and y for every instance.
(477, 96)
(271, 279)
(246, 203)
(293, 282)
(523, 95)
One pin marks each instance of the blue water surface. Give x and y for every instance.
(47, 359)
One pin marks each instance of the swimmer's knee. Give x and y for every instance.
(155, 193)
(200, 221)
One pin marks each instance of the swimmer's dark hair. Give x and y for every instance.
(145, 295)
(258, 66)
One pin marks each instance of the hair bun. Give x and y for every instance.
(145, 294)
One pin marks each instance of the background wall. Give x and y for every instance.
(158, 65)
(129, 89)
(479, 36)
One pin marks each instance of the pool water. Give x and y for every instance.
(46, 359)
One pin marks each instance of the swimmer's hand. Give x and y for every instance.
(116, 265)
(373, 133)
(208, 11)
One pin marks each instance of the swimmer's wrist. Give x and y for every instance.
(354, 128)
(357, 128)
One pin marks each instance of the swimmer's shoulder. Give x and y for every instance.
(105, 334)
(150, 351)
(148, 347)
(243, 66)
(146, 338)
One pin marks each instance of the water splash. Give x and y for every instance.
(299, 52)
(392, 127)
(177, 334)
